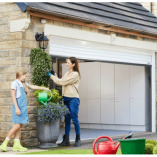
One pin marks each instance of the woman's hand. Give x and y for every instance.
(49, 73)
(52, 72)
(18, 112)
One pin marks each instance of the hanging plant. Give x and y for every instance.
(41, 63)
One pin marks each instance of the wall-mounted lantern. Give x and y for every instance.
(43, 40)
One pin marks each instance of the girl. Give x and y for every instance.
(70, 84)
(19, 109)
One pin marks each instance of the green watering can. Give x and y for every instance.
(43, 97)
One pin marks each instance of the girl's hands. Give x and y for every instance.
(46, 89)
(18, 112)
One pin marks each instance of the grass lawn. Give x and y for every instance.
(68, 151)
(119, 151)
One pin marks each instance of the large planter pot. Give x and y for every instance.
(47, 133)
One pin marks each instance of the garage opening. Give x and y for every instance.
(113, 96)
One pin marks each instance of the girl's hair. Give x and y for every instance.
(76, 67)
(19, 73)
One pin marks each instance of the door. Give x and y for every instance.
(122, 94)
(89, 91)
(137, 95)
(107, 93)
(93, 90)
(83, 108)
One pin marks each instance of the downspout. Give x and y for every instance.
(151, 7)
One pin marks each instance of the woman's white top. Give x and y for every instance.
(16, 85)
(69, 83)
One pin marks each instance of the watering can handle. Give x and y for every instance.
(99, 139)
(45, 103)
(50, 96)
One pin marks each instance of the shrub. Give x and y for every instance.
(155, 150)
(151, 142)
(41, 63)
(149, 148)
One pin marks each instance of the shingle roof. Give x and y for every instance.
(131, 16)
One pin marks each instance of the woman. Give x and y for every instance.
(70, 84)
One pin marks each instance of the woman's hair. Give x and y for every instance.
(76, 67)
(19, 73)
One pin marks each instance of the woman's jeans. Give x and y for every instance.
(73, 106)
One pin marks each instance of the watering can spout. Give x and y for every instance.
(117, 146)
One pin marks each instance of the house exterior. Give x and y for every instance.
(116, 44)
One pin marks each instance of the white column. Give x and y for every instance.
(153, 92)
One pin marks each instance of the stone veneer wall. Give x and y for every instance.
(14, 53)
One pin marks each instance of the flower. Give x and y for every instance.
(51, 112)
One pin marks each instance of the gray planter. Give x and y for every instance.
(47, 134)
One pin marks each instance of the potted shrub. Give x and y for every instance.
(48, 119)
(47, 116)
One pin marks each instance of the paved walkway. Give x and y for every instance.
(88, 136)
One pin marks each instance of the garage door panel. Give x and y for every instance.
(122, 111)
(137, 112)
(83, 111)
(93, 111)
(107, 112)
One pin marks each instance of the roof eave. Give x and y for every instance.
(23, 6)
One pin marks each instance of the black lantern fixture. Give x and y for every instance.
(43, 40)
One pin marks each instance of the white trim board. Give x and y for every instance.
(153, 93)
(61, 31)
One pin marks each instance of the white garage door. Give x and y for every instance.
(69, 47)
